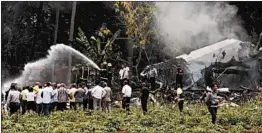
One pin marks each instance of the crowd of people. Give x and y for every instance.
(49, 97)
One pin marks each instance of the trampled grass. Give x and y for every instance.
(194, 119)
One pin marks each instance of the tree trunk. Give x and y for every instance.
(55, 38)
(138, 61)
(71, 37)
(37, 29)
(130, 54)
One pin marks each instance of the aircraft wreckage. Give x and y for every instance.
(231, 63)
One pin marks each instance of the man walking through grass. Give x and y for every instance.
(212, 102)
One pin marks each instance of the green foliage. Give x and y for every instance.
(137, 18)
(195, 119)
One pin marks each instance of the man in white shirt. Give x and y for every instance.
(46, 95)
(13, 99)
(97, 93)
(152, 76)
(127, 92)
(39, 101)
(24, 99)
(124, 74)
(54, 99)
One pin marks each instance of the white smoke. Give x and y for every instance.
(58, 53)
(185, 26)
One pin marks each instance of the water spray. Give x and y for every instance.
(56, 52)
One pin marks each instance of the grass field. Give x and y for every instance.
(195, 119)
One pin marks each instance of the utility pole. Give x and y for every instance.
(71, 37)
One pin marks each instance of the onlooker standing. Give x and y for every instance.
(212, 102)
(85, 99)
(79, 96)
(54, 99)
(36, 87)
(144, 97)
(39, 101)
(124, 74)
(97, 92)
(109, 74)
(46, 95)
(24, 99)
(90, 98)
(106, 101)
(72, 97)
(152, 76)
(62, 97)
(126, 91)
(179, 76)
(180, 98)
(30, 99)
(13, 99)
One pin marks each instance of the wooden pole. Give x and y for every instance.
(55, 38)
(71, 37)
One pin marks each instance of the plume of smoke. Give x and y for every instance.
(185, 26)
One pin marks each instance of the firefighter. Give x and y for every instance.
(179, 76)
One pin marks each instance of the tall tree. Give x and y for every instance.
(137, 18)
(55, 36)
(71, 37)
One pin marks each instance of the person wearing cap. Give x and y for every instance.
(212, 102)
(106, 101)
(144, 97)
(36, 87)
(103, 72)
(126, 92)
(180, 98)
(179, 76)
